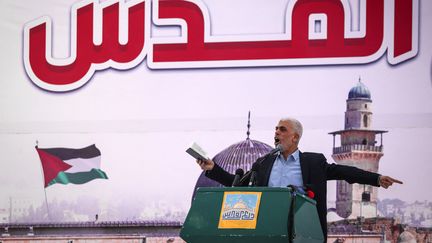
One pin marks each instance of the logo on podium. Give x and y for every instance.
(239, 210)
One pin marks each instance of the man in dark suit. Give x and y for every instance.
(292, 167)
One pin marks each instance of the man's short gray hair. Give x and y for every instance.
(297, 126)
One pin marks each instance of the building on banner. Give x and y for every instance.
(77, 232)
(239, 155)
(376, 230)
(359, 148)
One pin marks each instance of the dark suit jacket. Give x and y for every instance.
(315, 172)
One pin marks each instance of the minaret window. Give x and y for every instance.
(343, 187)
(365, 121)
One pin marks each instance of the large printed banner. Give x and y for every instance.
(142, 79)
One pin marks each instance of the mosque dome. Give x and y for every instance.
(360, 91)
(240, 205)
(239, 155)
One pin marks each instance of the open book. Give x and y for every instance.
(197, 152)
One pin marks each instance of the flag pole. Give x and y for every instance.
(46, 198)
(46, 203)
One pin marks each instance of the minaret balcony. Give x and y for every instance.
(357, 147)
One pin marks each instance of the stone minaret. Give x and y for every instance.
(359, 148)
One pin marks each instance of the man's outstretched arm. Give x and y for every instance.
(215, 172)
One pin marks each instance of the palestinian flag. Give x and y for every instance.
(65, 165)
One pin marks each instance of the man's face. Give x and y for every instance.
(285, 136)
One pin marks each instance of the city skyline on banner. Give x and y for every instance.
(143, 118)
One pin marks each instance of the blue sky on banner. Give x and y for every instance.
(144, 119)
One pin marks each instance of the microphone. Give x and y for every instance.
(252, 173)
(252, 180)
(255, 166)
(238, 175)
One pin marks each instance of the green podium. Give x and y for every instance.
(251, 214)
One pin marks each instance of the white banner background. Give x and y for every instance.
(142, 120)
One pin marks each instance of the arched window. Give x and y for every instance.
(365, 121)
(343, 188)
